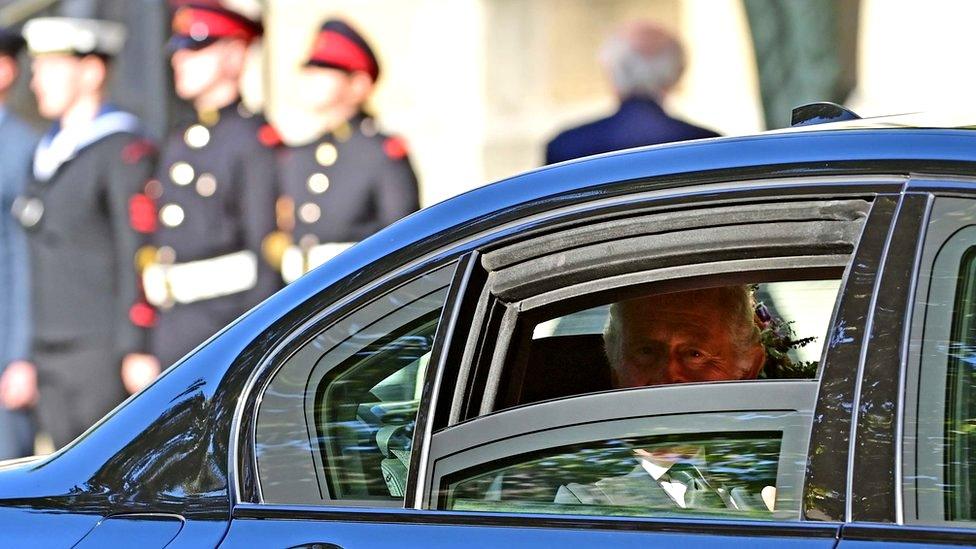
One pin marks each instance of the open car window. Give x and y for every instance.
(569, 354)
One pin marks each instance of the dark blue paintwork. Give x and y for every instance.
(166, 450)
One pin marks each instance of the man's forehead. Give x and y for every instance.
(700, 304)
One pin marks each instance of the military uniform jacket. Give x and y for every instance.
(215, 188)
(348, 184)
(85, 222)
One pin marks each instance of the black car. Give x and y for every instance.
(445, 382)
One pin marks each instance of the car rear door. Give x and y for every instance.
(364, 424)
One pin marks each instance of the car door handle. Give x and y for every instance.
(316, 546)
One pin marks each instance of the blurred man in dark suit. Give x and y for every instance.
(644, 62)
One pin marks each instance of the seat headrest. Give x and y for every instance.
(567, 365)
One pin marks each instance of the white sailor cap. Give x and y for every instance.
(76, 36)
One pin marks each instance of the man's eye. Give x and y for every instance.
(696, 356)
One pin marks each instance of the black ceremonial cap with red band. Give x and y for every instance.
(339, 46)
(196, 25)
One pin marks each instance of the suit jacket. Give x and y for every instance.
(638, 122)
(17, 141)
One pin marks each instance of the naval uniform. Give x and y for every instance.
(340, 189)
(85, 220)
(215, 189)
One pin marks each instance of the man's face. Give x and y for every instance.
(198, 71)
(56, 83)
(323, 88)
(680, 338)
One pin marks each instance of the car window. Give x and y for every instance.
(336, 421)
(940, 455)
(736, 451)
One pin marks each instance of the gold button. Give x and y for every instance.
(206, 184)
(181, 173)
(309, 212)
(318, 183)
(343, 132)
(145, 256)
(326, 154)
(154, 189)
(166, 255)
(171, 215)
(210, 117)
(197, 136)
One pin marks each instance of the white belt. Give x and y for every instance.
(295, 262)
(198, 280)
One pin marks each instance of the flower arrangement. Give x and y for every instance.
(778, 339)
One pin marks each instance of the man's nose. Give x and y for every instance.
(675, 371)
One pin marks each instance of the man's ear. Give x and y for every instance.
(361, 85)
(94, 73)
(8, 72)
(234, 56)
(757, 360)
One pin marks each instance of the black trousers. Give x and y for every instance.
(79, 381)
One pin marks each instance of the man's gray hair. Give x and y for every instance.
(643, 59)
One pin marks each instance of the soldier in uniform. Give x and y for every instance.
(352, 180)
(17, 141)
(85, 219)
(214, 187)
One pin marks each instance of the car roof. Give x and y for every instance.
(828, 146)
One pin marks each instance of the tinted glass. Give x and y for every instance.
(940, 426)
(336, 422)
(701, 474)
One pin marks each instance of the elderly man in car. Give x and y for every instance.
(693, 336)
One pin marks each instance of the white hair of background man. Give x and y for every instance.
(643, 60)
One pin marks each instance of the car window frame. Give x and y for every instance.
(501, 314)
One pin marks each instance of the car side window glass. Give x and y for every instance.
(737, 451)
(336, 420)
(635, 476)
(940, 454)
